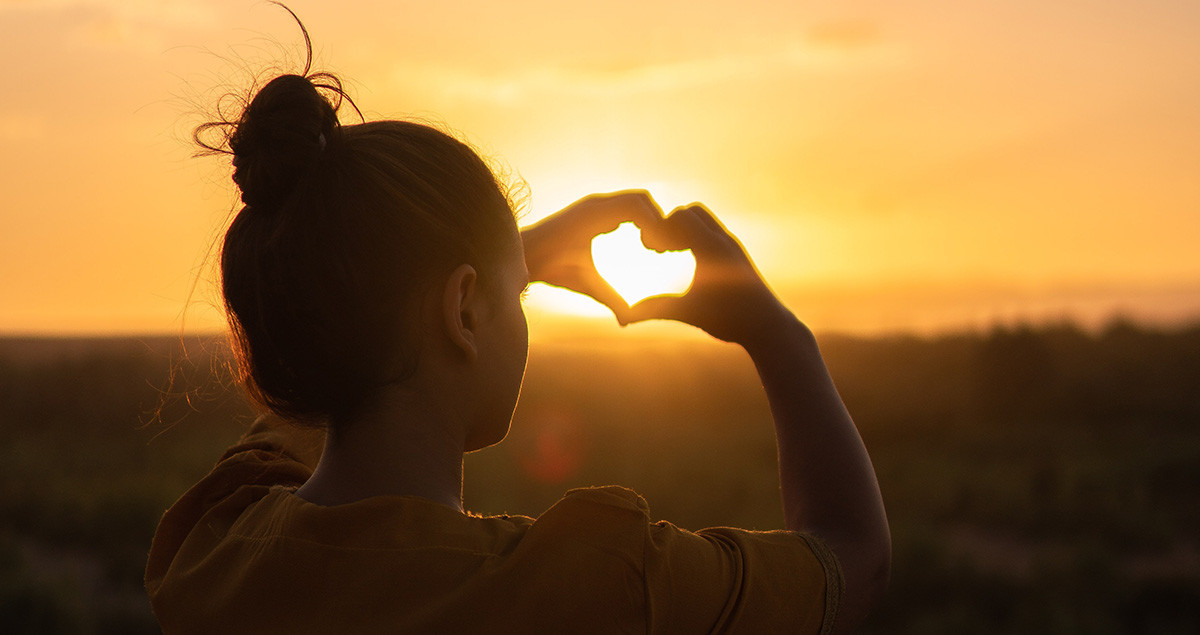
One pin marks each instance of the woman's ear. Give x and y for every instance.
(460, 310)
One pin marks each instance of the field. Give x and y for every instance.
(1037, 480)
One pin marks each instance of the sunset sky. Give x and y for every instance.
(919, 165)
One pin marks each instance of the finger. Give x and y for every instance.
(637, 206)
(718, 229)
(706, 216)
(684, 228)
(664, 235)
(659, 307)
(595, 286)
(602, 213)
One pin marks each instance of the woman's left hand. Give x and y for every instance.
(558, 249)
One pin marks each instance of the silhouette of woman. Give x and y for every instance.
(373, 281)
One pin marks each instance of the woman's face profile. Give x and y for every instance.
(504, 347)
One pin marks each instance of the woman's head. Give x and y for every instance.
(345, 231)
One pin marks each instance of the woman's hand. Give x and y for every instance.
(728, 298)
(558, 249)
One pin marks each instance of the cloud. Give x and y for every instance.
(159, 11)
(114, 23)
(845, 34)
(798, 56)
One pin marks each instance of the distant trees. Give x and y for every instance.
(1078, 449)
(1123, 374)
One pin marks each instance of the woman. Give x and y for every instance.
(373, 281)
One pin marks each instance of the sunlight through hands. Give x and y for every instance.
(636, 272)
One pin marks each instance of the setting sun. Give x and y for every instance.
(636, 272)
(887, 169)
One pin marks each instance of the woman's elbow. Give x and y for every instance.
(877, 580)
(866, 569)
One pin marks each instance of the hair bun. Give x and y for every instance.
(279, 138)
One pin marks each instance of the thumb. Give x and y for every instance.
(600, 290)
(659, 307)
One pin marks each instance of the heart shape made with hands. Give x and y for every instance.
(636, 272)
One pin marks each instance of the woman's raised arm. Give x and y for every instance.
(828, 482)
(829, 485)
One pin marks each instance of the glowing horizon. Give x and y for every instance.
(922, 167)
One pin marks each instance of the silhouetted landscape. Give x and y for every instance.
(1038, 479)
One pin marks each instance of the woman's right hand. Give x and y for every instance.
(558, 248)
(728, 297)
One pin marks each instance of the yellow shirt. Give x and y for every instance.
(241, 553)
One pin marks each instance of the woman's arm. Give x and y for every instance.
(828, 482)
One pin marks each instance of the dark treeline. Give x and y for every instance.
(89, 464)
(1022, 375)
(1038, 479)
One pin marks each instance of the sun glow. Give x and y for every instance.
(619, 256)
(876, 166)
(636, 272)
(543, 298)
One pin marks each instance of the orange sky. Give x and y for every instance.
(889, 165)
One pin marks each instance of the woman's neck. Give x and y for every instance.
(398, 447)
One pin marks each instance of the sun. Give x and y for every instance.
(636, 272)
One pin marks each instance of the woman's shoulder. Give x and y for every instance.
(609, 496)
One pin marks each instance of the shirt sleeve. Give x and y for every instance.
(725, 580)
(272, 452)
